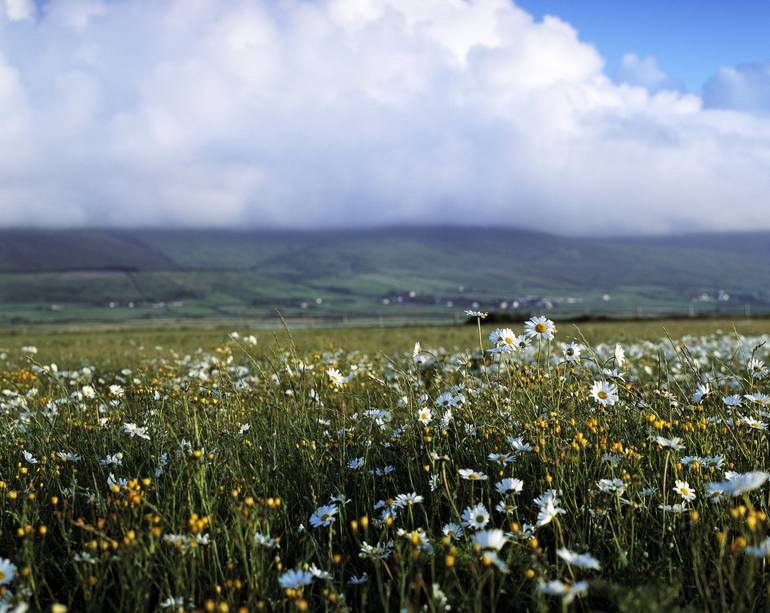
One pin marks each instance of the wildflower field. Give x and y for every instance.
(529, 469)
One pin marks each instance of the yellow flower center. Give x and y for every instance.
(540, 328)
(2, 575)
(602, 395)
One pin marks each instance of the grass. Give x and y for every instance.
(184, 469)
(131, 342)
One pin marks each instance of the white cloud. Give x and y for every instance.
(352, 112)
(645, 72)
(19, 10)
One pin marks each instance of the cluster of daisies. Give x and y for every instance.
(527, 470)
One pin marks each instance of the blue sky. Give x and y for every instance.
(612, 118)
(691, 39)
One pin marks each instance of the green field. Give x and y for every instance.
(131, 342)
(431, 272)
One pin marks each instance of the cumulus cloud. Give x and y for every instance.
(353, 112)
(645, 72)
(745, 88)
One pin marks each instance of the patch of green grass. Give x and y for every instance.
(73, 344)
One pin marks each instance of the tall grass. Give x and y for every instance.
(193, 479)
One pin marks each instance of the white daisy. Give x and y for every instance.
(472, 475)
(581, 560)
(324, 516)
(606, 394)
(475, 517)
(540, 327)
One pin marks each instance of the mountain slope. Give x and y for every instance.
(217, 272)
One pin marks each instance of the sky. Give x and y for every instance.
(585, 118)
(691, 40)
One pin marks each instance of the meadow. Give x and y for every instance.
(607, 467)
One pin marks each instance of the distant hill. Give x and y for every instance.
(97, 273)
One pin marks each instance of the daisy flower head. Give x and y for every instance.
(355, 463)
(116, 391)
(620, 355)
(452, 530)
(502, 336)
(763, 400)
(684, 490)
(447, 400)
(509, 485)
(503, 339)
(501, 458)
(752, 423)
(324, 516)
(478, 314)
(548, 502)
(606, 394)
(424, 416)
(738, 483)
(337, 378)
(700, 393)
(490, 539)
(133, 431)
(757, 368)
(475, 517)
(612, 486)
(674, 442)
(518, 444)
(408, 500)
(580, 560)
(318, 573)
(572, 352)
(522, 343)
(566, 591)
(471, 475)
(7, 571)
(379, 551)
(540, 328)
(294, 579)
(264, 540)
(68, 456)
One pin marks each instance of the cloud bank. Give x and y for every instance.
(300, 113)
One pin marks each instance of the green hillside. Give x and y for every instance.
(400, 272)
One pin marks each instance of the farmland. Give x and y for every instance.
(615, 466)
(409, 274)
